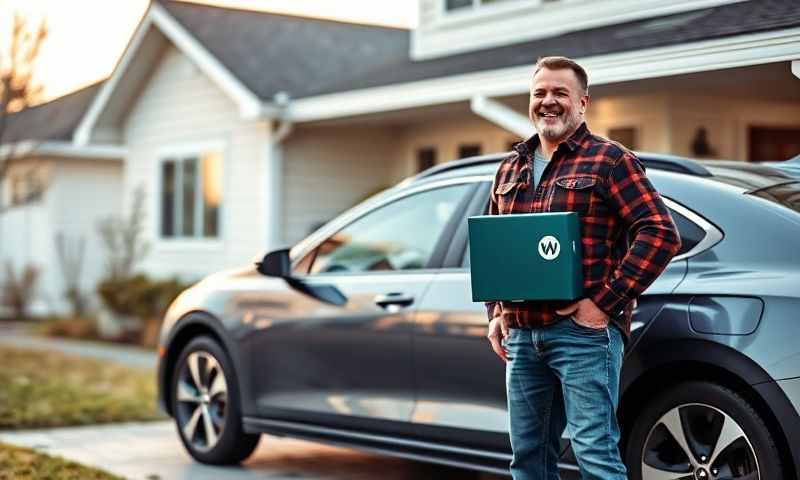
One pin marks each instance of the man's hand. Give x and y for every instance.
(586, 313)
(498, 330)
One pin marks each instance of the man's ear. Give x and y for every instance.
(584, 103)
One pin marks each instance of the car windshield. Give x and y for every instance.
(775, 185)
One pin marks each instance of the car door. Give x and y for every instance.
(450, 330)
(353, 361)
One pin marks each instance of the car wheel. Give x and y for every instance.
(701, 431)
(206, 406)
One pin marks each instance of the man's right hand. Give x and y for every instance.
(498, 330)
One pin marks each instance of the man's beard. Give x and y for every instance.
(558, 131)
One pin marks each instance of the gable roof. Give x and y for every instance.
(302, 56)
(53, 120)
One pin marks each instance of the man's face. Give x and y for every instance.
(557, 103)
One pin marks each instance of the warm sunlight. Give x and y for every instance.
(88, 36)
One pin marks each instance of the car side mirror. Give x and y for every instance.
(275, 264)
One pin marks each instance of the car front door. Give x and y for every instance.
(337, 364)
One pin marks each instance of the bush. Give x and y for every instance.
(141, 297)
(19, 289)
(75, 327)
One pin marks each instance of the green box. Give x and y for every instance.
(518, 257)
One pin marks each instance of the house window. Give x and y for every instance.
(469, 150)
(451, 5)
(191, 192)
(624, 135)
(426, 158)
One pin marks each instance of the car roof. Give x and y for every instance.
(743, 175)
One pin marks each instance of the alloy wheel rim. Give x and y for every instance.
(695, 441)
(202, 400)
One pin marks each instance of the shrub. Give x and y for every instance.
(18, 291)
(141, 297)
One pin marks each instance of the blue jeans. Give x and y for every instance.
(562, 375)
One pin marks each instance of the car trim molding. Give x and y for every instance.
(389, 445)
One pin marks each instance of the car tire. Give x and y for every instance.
(703, 413)
(206, 405)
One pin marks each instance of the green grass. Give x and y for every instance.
(23, 464)
(50, 389)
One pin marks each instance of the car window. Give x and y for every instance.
(399, 236)
(691, 234)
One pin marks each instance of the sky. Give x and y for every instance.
(87, 37)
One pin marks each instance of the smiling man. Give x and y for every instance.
(563, 359)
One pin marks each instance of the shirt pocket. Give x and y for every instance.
(573, 193)
(505, 193)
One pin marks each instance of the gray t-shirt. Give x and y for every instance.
(539, 162)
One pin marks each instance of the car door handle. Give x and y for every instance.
(394, 298)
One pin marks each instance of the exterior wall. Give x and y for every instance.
(329, 169)
(665, 123)
(83, 193)
(648, 114)
(178, 108)
(727, 122)
(79, 193)
(446, 136)
(26, 238)
(511, 21)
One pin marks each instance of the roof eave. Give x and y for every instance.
(250, 106)
(707, 55)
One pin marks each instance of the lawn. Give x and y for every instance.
(50, 389)
(23, 464)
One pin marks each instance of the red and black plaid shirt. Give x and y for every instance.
(606, 184)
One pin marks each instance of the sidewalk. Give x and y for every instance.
(15, 334)
(151, 451)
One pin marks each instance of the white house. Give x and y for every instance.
(246, 129)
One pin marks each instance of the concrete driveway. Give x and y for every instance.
(153, 451)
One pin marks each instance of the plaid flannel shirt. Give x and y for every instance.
(627, 233)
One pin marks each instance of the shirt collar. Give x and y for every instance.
(573, 142)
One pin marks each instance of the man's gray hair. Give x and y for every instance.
(561, 63)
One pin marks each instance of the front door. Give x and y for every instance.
(353, 361)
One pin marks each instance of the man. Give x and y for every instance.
(564, 358)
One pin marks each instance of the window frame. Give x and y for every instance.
(442, 244)
(178, 154)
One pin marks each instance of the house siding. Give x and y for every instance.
(329, 169)
(180, 106)
(83, 192)
(503, 23)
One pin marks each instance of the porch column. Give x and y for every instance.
(272, 191)
(501, 115)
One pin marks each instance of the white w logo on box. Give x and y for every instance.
(549, 248)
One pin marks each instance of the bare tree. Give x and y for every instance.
(123, 239)
(18, 89)
(70, 253)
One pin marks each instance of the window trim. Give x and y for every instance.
(177, 153)
(305, 246)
